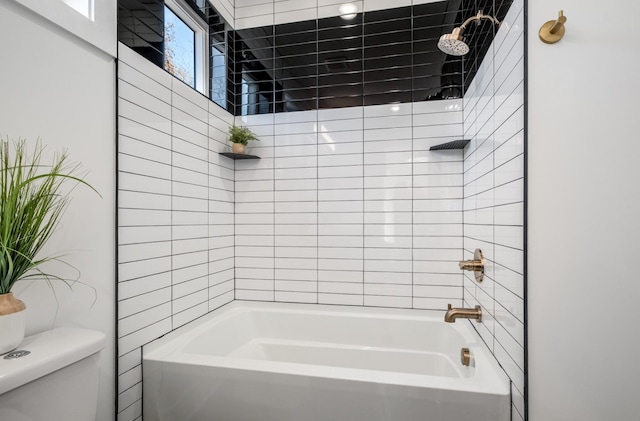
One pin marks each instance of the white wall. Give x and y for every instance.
(584, 207)
(175, 213)
(493, 198)
(61, 89)
(90, 20)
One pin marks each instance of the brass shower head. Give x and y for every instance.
(453, 43)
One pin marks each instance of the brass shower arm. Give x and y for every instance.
(478, 17)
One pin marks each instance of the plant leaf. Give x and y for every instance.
(32, 202)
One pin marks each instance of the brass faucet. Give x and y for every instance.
(466, 313)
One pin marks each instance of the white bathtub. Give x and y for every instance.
(288, 362)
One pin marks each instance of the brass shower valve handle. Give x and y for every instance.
(476, 265)
(471, 265)
(553, 31)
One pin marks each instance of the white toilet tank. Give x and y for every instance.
(56, 380)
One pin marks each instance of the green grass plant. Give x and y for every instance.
(33, 198)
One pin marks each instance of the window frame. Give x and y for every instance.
(201, 36)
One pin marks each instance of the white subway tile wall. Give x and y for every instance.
(340, 225)
(348, 206)
(226, 8)
(175, 213)
(255, 215)
(253, 13)
(494, 195)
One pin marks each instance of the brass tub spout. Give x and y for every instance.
(466, 313)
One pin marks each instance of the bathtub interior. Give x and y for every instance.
(406, 346)
(336, 339)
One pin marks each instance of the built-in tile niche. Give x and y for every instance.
(378, 57)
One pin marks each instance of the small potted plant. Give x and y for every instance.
(32, 201)
(240, 136)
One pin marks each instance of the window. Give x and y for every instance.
(179, 48)
(84, 7)
(197, 37)
(185, 45)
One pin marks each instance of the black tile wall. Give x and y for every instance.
(253, 63)
(340, 65)
(141, 28)
(380, 57)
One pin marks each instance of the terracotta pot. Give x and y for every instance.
(12, 322)
(238, 148)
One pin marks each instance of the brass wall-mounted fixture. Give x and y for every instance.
(453, 43)
(466, 313)
(476, 265)
(465, 356)
(553, 30)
